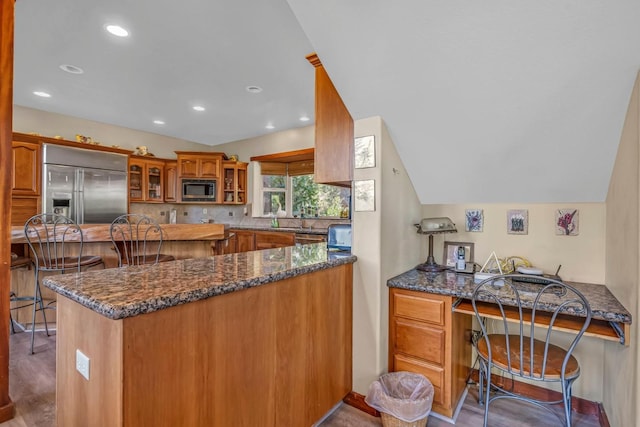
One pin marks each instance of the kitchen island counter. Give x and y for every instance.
(257, 338)
(118, 293)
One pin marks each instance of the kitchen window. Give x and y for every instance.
(287, 188)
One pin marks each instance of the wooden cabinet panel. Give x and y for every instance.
(418, 308)
(420, 340)
(434, 374)
(245, 240)
(199, 165)
(275, 239)
(26, 168)
(234, 183)
(427, 338)
(333, 132)
(188, 166)
(210, 167)
(146, 180)
(23, 208)
(171, 181)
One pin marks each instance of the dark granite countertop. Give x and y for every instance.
(604, 305)
(298, 230)
(118, 293)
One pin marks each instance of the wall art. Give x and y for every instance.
(474, 220)
(518, 221)
(365, 195)
(365, 152)
(567, 222)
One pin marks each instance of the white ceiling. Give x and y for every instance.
(493, 101)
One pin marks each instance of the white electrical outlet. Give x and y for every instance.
(204, 211)
(82, 364)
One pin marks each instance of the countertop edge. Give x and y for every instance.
(114, 312)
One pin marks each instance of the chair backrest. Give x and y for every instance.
(55, 242)
(530, 306)
(137, 239)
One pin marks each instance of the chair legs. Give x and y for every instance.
(484, 396)
(37, 300)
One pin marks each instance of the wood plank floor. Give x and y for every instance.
(32, 389)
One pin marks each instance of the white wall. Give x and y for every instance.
(28, 120)
(386, 244)
(621, 373)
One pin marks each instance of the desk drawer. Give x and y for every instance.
(433, 373)
(419, 340)
(419, 307)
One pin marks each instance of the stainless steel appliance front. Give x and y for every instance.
(199, 190)
(88, 186)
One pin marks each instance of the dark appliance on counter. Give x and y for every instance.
(339, 238)
(88, 186)
(199, 190)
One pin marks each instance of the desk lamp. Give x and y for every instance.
(433, 226)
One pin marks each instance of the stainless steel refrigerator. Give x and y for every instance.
(88, 186)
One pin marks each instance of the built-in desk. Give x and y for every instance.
(430, 318)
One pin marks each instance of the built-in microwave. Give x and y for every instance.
(199, 190)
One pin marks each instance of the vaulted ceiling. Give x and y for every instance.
(494, 101)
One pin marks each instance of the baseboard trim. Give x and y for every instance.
(602, 416)
(579, 405)
(357, 401)
(7, 411)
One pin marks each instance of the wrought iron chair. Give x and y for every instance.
(516, 352)
(137, 240)
(56, 244)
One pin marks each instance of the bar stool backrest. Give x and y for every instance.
(55, 241)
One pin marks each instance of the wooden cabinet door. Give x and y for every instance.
(333, 132)
(274, 239)
(154, 181)
(245, 240)
(171, 181)
(188, 166)
(136, 180)
(26, 169)
(23, 208)
(209, 167)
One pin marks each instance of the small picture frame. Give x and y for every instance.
(450, 254)
(567, 222)
(364, 195)
(518, 221)
(365, 152)
(473, 220)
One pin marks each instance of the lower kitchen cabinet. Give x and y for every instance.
(426, 337)
(274, 239)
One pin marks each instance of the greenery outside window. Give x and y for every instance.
(300, 197)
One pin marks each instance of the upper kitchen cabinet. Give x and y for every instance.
(199, 165)
(146, 180)
(333, 132)
(26, 168)
(171, 181)
(234, 190)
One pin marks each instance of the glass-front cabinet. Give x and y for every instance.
(234, 185)
(146, 180)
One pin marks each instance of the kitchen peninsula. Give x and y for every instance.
(255, 338)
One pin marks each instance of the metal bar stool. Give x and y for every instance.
(56, 243)
(137, 240)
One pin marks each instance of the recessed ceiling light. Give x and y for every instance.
(254, 89)
(270, 126)
(158, 122)
(71, 69)
(42, 94)
(304, 118)
(117, 30)
(198, 108)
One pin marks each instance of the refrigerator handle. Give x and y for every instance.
(80, 197)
